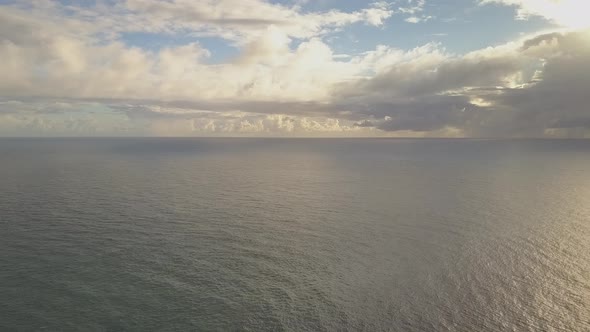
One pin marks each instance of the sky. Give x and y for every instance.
(293, 68)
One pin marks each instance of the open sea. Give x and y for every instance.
(171, 234)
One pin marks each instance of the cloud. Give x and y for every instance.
(521, 89)
(61, 65)
(558, 96)
(566, 13)
(63, 74)
(417, 19)
(236, 20)
(412, 7)
(75, 118)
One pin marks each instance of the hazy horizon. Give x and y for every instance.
(301, 137)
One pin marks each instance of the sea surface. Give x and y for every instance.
(294, 235)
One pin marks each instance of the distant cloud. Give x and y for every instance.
(418, 19)
(412, 7)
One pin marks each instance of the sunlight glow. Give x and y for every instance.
(566, 13)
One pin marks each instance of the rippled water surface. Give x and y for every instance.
(294, 234)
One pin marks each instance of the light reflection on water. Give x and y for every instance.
(309, 234)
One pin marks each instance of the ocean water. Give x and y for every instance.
(294, 235)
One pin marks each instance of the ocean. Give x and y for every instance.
(211, 234)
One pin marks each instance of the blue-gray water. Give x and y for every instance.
(294, 234)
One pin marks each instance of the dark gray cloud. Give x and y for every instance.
(365, 124)
(415, 80)
(553, 90)
(559, 98)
